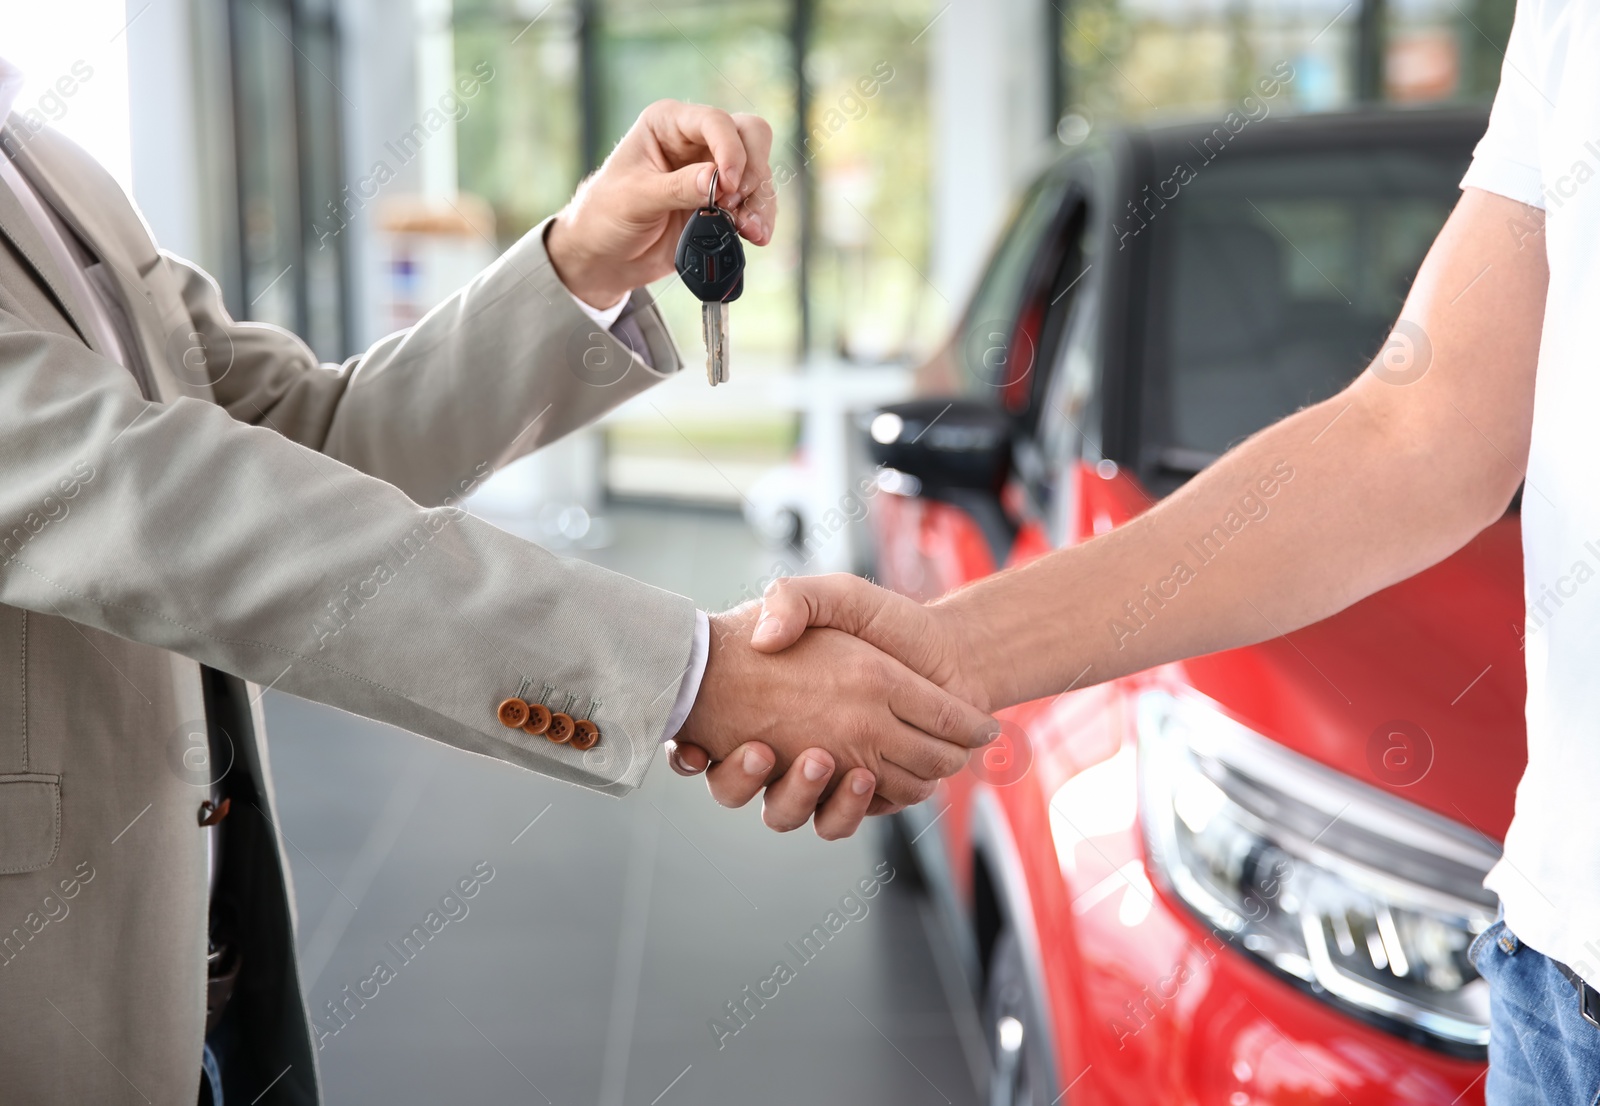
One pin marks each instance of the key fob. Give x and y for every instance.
(710, 256)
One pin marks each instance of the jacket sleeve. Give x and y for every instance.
(236, 545)
(505, 365)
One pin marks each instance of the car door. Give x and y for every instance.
(1001, 356)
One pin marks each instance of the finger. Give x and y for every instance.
(840, 600)
(841, 813)
(756, 134)
(881, 806)
(901, 788)
(686, 759)
(936, 712)
(758, 210)
(684, 188)
(757, 214)
(740, 777)
(686, 131)
(791, 801)
(930, 758)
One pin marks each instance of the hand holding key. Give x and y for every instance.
(710, 260)
(621, 229)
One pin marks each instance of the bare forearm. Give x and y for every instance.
(1285, 530)
(1329, 505)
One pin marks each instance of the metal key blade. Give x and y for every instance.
(714, 327)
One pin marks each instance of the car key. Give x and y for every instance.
(710, 259)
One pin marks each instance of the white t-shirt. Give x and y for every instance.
(1543, 148)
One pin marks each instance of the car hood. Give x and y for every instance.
(1417, 690)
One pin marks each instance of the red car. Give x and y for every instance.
(1249, 878)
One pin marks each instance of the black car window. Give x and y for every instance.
(987, 359)
(1274, 280)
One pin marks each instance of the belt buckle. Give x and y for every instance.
(1589, 1004)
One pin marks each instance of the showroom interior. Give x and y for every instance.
(341, 167)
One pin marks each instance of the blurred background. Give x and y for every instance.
(312, 156)
(320, 159)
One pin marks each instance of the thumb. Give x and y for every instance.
(839, 600)
(687, 759)
(684, 188)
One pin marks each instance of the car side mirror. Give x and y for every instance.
(951, 447)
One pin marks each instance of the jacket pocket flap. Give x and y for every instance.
(30, 821)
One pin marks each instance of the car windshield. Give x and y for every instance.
(1275, 278)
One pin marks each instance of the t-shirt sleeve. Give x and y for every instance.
(1506, 160)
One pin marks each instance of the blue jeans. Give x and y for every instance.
(1541, 1051)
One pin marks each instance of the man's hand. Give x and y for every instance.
(831, 701)
(796, 797)
(621, 229)
(929, 640)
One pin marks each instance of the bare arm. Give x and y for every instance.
(1389, 476)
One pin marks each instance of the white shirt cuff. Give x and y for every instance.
(606, 317)
(690, 688)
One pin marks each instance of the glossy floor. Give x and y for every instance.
(590, 967)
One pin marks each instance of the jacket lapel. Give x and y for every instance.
(20, 231)
(92, 222)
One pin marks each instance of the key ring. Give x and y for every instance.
(711, 196)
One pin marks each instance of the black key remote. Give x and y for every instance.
(710, 260)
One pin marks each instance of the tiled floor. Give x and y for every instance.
(591, 966)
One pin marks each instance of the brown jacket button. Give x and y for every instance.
(538, 720)
(512, 713)
(561, 728)
(586, 735)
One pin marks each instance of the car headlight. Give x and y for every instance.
(1369, 900)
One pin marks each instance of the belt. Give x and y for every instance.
(1588, 997)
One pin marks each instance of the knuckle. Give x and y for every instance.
(901, 796)
(779, 823)
(879, 675)
(952, 761)
(948, 718)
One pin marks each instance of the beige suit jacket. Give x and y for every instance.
(227, 513)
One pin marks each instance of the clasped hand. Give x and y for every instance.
(836, 698)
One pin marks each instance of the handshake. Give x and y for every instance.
(837, 698)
